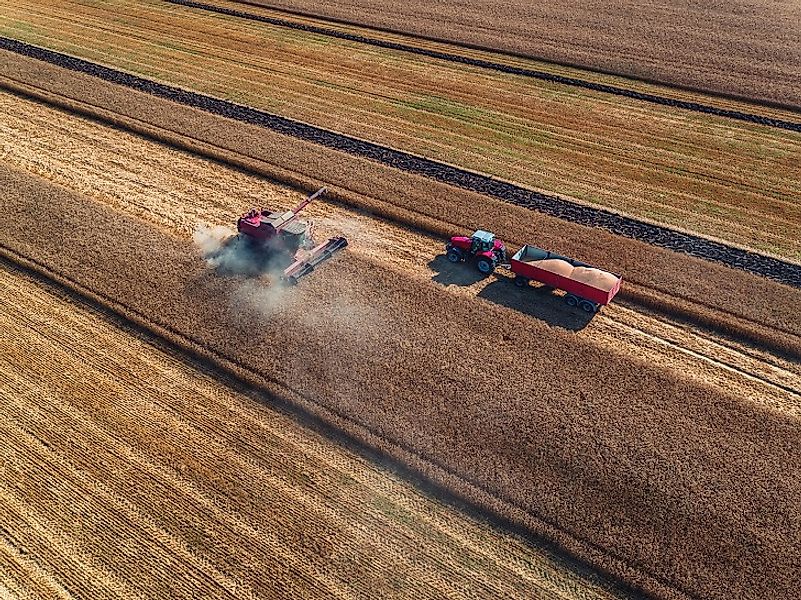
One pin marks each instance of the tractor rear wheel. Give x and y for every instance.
(485, 265)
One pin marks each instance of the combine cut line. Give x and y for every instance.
(500, 67)
(657, 235)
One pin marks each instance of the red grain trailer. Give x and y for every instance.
(587, 287)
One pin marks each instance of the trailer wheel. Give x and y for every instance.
(485, 265)
(571, 300)
(521, 281)
(588, 306)
(454, 255)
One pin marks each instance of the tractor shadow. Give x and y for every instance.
(448, 273)
(536, 301)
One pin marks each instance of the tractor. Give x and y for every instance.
(482, 247)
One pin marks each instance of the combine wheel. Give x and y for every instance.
(521, 281)
(485, 265)
(588, 306)
(571, 300)
(454, 255)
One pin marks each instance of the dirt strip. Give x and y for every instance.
(667, 482)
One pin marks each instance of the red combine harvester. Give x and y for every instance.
(587, 287)
(283, 237)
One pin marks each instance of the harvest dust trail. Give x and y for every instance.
(197, 490)
(179, 192)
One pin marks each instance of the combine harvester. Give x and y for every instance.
(281, 237)
(587, 287)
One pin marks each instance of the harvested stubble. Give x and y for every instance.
(231, 496)
(703, 293)
(690, 44)
(671, 484)
(691, 172)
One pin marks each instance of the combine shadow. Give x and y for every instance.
(534, 300)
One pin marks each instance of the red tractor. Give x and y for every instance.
(482, 247)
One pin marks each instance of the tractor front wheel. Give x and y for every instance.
(485, 265)
(454, 255)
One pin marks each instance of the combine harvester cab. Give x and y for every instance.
(282, 236)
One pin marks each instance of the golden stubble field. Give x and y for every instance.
(130, 472)
(559, 415)
(711, 175)
(749, 48)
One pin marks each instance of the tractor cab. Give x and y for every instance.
(482, 241)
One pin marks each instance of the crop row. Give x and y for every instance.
(690, 244)
(502, 68)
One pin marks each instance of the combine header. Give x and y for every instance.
(282, 237)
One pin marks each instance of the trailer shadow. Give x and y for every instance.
(536, 301)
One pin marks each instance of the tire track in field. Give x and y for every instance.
(774, 268)
(499, 67)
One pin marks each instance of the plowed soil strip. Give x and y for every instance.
(233, 484)
(774, 268)
(500, 67)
